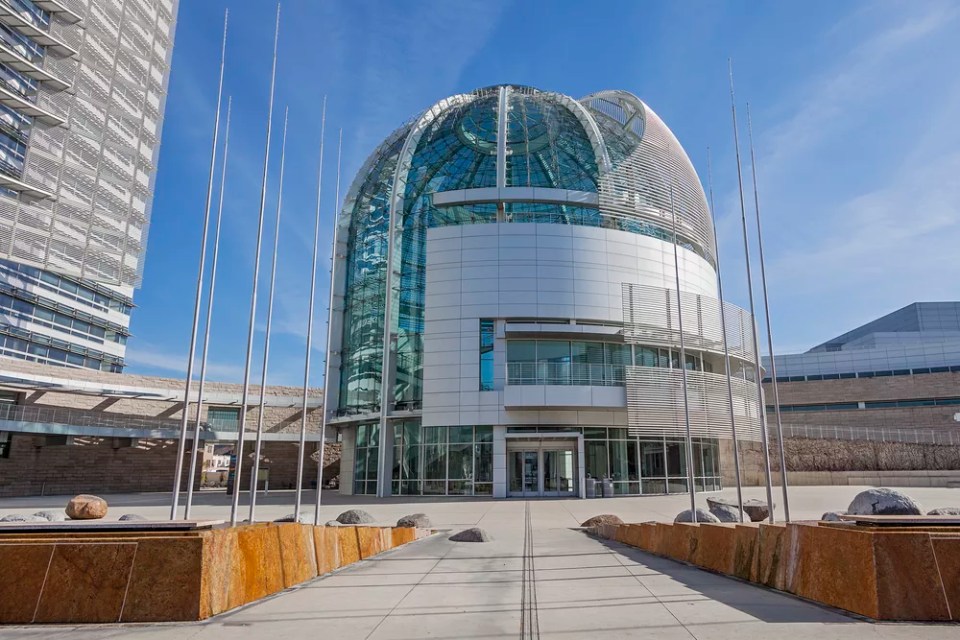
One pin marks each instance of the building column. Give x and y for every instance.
(499, 461)
(348, 454)
(385, 460)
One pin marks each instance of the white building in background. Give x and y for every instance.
(82, 90)
(505, 310)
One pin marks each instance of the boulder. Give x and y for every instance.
(21, 517)
(758, 510)
(419, 520)
(702, 516)
(86, 507)
(332, 523)
(355, 516)
(132, 517)
(944, 511)
(606, 518)
(292, 517)
(727, 512)
(471, 535)
(52, 516)
(884, 502)
(833, 516)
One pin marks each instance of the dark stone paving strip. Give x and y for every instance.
(529, 616)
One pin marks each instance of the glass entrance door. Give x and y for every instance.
(542, 472)
(558, 473)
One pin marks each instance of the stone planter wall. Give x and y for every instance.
(171, 576)
(884, 573)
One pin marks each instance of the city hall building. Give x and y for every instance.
(505, 309)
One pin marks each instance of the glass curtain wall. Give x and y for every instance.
(643, 465)
(365, 460)
(456, 461)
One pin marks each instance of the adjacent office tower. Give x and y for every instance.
(82, 92)
(505, 306)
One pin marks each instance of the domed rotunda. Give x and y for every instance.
(505, 310)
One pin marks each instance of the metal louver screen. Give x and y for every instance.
(650, 316)
(655, 404)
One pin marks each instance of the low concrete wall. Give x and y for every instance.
(884, 573)
(144, 576)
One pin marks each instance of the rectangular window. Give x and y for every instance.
(223, 418)
(5, 444)
(486, 355)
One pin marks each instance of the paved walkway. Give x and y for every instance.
(537, 578)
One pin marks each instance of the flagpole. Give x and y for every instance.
(266, 342)
(207, 326)
(726, 348)
(758, 374)
(238, 466)
(192, 351)
(683, 365)
(313, 290)
(766, 308)
(326, 374)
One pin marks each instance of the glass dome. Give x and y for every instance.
(504, 154)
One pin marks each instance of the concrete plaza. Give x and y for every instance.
(538, 577)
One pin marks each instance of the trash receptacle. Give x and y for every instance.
(591, 488)
(607, 488)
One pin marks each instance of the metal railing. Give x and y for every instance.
(82, 418)
(918, 435)
(565, 373)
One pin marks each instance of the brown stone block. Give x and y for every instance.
(620, 533)
(369, 539)
(832, 565)
(946, 551)
(386, 538)
(661, 538)
(681, 542)
(349, 543)
(89, 582)
(297, 557)
(908, 578)
(716, 547)
(648, 532)
(260, 562)
(403, 535)
(331, 549)
(222, 582)
(24, 569)
(165, 585)
(632, 535)
(745, 551)
(768, 567)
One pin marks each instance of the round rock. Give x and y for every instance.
(332, 523)
(418, 520)
(727, 512)
(944, 511)
(475, 534)
(757, 510)
(21, 517)
(52, 516)
(132, 517)
(605, 518)
(86, 507)
(702, 516)
(292, 517)
(884, 502)
(355, 516)
(833, 516)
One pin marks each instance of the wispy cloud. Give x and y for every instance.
(146, 357)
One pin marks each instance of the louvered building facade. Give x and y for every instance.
(82, 91)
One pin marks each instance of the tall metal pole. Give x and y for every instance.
(753, 315)
(266, 341)
(207, 326)
(313, 290)
(326, 361)
(726, 349)
(192, 351)
(766, 309)
(253, 295)
(683, 365)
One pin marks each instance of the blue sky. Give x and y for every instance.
(854, 109)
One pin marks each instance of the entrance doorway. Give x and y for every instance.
(536, 469)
